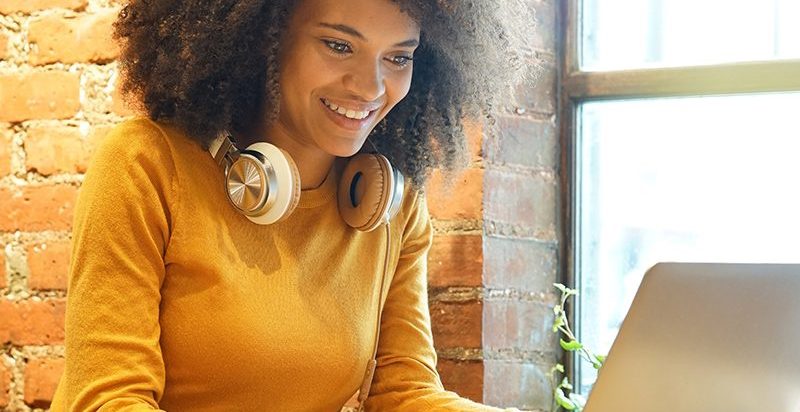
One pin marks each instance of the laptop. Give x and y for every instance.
(707, 337)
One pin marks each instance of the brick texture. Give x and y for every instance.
(32, 322)
(5, 384)
(85, 38)
(524, 142)
(48, 264)
(544, 36)
(5, 152)
(61, 149)
(474, 131)
(456, 324)
(467, 376)
(520, 324)
(41, 379)
(539, 96)
(514, 383)
(462, 201)
(39, 95)
(524, 265)
(35, 208)
(3, 45)
(455, 260)
(525, 200)
(521, 232)
(3, 271)
(27, 6)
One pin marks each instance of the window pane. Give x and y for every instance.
(623, 34)
(680, 179)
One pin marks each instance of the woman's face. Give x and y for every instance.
(344, 65)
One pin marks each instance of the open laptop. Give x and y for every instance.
(707, 337)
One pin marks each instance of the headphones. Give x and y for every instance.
(262, 182)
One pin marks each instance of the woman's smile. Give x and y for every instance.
(349, 116)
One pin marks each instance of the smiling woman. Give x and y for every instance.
(224, 253)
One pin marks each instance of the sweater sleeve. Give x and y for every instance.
(406, 378)
(120, 231)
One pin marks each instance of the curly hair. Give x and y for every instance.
(191, 63)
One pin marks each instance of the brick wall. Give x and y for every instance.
(494, 253)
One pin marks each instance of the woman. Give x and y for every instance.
(196, 288)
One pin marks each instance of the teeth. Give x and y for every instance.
(349, 113)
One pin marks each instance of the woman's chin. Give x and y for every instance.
(346, 148)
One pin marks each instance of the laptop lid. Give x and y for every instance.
(707, 337)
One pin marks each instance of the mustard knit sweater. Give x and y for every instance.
(176, 302)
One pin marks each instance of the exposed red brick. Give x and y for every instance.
(3, 274)
(86, 38)
(31, 322)
(525, 142)
(474, 131)
(521, 264)
(49, 265)
(27, 6)
(462, 201)
(455, 260)
(37, 208)
(5, 384)
(539, 95)
(39, 95)
(456, 324)
(5, 152)
(3, 46)
(525, 200)
(61, 149)
(462, 377)
(518, 324)
(41, 379)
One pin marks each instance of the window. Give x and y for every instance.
(683, 144)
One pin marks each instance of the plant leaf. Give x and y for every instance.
(559, 367)
(563, 401)
(556, 309)
(600, 358)
(557, 323)
(561, 287)
(565, 384)
(571, 345)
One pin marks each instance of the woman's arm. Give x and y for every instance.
(120, 233)
(406, 378)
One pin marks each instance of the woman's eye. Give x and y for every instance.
(337, 46)
(401, 61)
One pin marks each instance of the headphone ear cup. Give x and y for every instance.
(367, 191)
(285, 193)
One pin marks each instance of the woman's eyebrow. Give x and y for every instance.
(355, 33)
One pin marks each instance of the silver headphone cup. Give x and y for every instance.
(251, 183)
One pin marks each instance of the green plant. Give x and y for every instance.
(568, 400)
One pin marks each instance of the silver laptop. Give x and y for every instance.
(707, 337)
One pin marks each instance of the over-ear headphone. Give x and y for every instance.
(262, 182)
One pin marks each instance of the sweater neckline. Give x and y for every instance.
(323, 193)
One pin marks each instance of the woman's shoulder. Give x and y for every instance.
(414, 208)
(141, 133)
(139, 139)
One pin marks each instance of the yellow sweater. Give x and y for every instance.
(178, 303)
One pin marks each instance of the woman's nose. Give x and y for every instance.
(366, 81)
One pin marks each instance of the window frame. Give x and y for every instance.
(577, 87)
